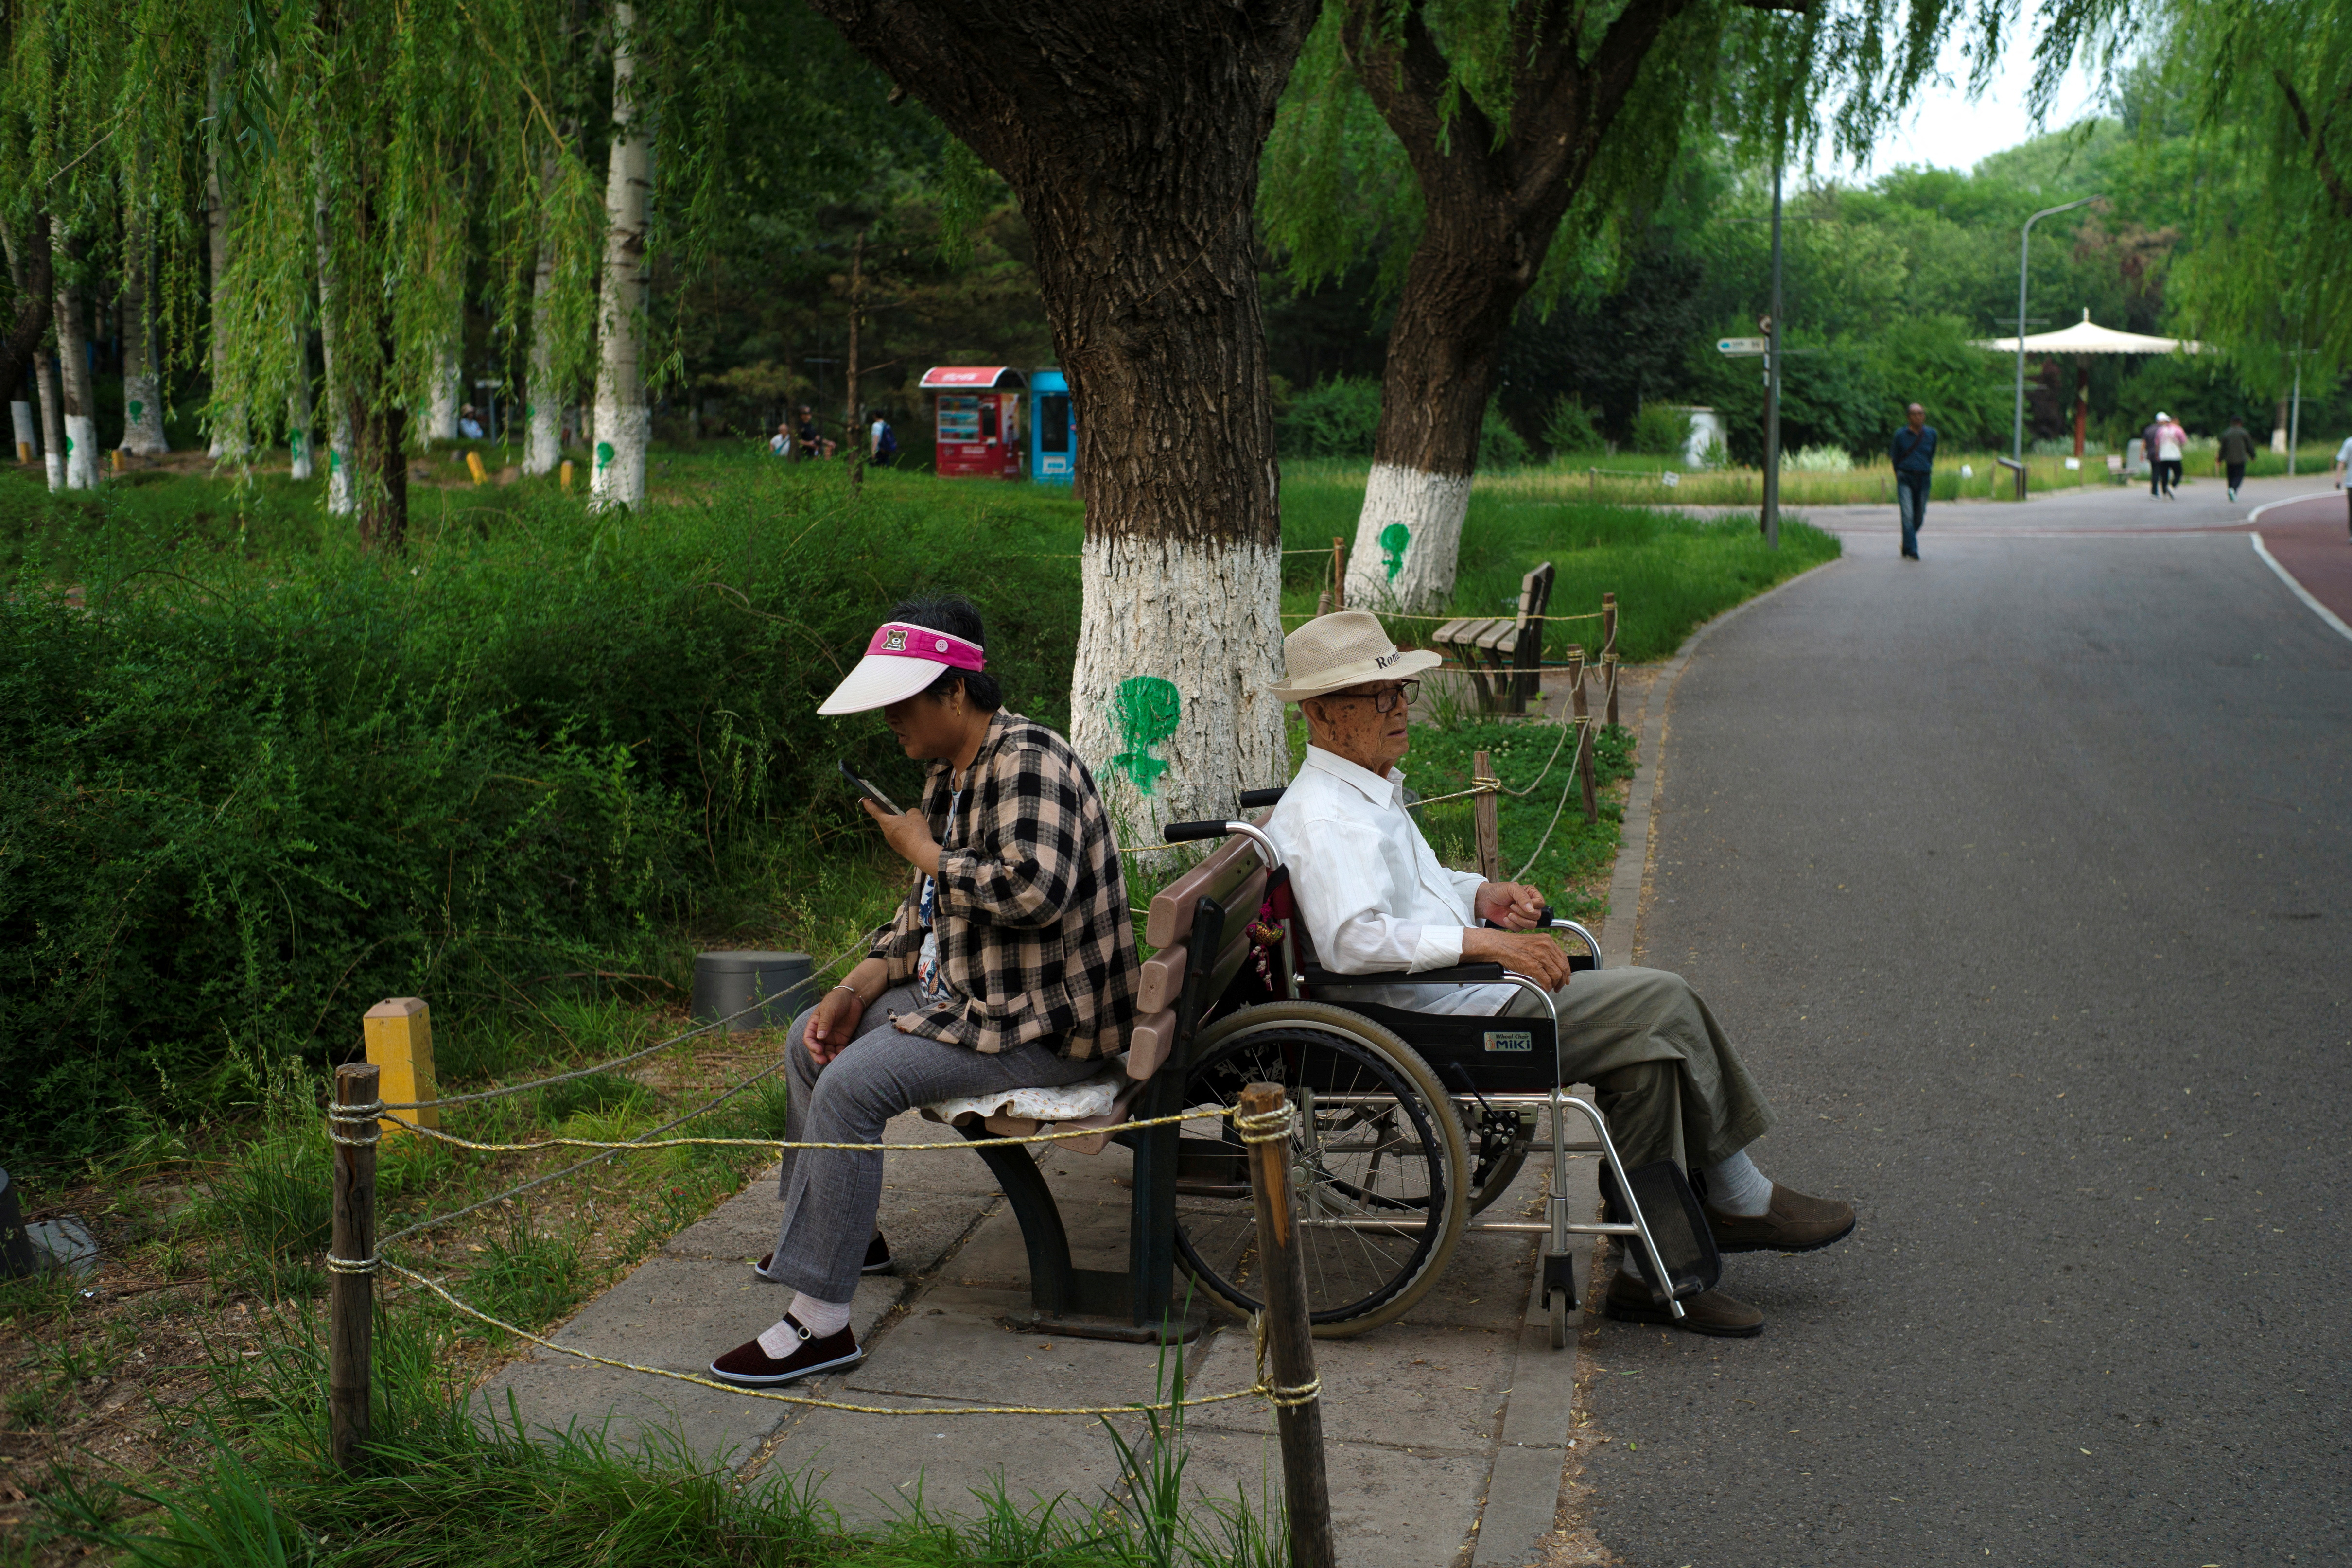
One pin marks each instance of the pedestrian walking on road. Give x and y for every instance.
(2342, 470)
(2237, 451)
(2164, 441)
(1913, 451)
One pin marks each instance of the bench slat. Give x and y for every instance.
(1149, 1042)
(1172, 907)
(1496, 630)
(1163, 979)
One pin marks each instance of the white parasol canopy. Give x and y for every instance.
(2087, 337)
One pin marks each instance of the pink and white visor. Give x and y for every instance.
(899, 661)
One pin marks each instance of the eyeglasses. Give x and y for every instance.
(1384, 701)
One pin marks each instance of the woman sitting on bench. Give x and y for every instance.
(1011, 966)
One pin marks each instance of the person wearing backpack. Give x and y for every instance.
(883, 441)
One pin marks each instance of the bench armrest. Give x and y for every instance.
(1317, 976)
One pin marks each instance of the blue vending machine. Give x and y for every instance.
(1053, 429)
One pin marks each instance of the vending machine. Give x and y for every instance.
(977, 422)
(1053, 429)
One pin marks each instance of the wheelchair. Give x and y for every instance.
(1410, 1126)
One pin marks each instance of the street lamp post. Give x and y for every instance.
(2025, 238)
(1770, 519)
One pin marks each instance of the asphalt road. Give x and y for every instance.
(2024, 878)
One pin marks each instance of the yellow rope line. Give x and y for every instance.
(1197, 1114)
(1284, 1397)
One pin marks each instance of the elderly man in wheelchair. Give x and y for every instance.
(1375, 902)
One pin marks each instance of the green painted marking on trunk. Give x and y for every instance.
(603, 454)
(138, 411)
(1146, 709)
(1393, 539)
(69, 445)
(294, 442)
(334, 459)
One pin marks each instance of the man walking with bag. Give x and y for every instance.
(1914, 453)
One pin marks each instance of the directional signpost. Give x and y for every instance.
(1741, 347)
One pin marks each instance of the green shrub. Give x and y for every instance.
(240, 798)
(1334, 419)
(1661, 429)
(1499, 445)
(1570, 428)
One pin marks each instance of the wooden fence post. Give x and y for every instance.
(1575, 679)
(1290, 1350)
(351, 1263)
(1584, 766)
(400, 1043)
(1484, 812)
(1338, 573)
(1609, 651)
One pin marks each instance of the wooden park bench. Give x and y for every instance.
(1501, 644)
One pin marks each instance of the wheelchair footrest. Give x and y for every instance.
(1677, 1223)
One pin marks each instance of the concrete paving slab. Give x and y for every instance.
(875, 1468)
(1392, 1507)
(955, 1346)
(557, 1395)
(1522, 1503)
(1444, 1387)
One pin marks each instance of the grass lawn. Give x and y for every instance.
(525, 770)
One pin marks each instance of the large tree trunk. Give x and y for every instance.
(623, 420)
(73, 368)
(143, 377)
(29, 270)
(342, 501)
(441, 405)
(1493, 201)
(1132, 140)
(299, 411)
(52, 420)
(543, 406)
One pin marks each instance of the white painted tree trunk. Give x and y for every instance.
(297, 405)
(441, 408)
(1168, 702)
(73, 369)
(618, 474)
(341, 501)
(227, 440)
(21, 426)
(143, 378)
(53, 420)
(543, 406)
(1408, 538)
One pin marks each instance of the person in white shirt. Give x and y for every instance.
(1376, 900)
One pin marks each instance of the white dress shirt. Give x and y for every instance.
(1372, 893)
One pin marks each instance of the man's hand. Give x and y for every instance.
(1531, 953)
(910, 833)
(1514, 906)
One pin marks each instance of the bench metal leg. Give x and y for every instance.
(1052, 1285)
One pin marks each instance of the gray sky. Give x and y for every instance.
(1946, 129)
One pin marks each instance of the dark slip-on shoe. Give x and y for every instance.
(754, 1368)
(877, 1260)
(1708, 1312)
(1794, 1223)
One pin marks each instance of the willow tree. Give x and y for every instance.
(1130, 138)
(1515, 122)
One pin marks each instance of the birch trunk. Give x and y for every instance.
(143, 376)
(73, 368)
(53, 421)
(542, 408)
(1132, 142)
(622, 421)
(441, 407)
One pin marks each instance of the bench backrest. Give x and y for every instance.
(1217, 877)
(1535, 594)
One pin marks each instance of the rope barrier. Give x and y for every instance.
(1261, 1389)
(1399, 615)
(1266, 1126)
(634, 1055)
(1197, 1113)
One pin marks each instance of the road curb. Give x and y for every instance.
(1620, 936)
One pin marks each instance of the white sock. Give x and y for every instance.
(820, 1318)
(1737, 1187)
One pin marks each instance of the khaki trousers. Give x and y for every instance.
(1669, 1079)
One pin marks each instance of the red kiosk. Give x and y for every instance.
(976, 421)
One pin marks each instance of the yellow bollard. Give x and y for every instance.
(565, 474)
(400, 1042)
(474, 467)
(24, 451)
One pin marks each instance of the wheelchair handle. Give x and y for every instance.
(1187, 832)
(1254, 798)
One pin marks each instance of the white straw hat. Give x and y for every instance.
(1344, 648)
(900, 660)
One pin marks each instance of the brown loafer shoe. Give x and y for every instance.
(1794, 1223)
(1708, 1312)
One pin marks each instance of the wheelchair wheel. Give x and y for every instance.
(1498, 1143)
(1380, 1172)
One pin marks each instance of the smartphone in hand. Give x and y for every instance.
(868, 791)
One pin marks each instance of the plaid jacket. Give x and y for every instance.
(1034, 930)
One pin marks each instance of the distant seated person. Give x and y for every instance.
(1376, 901)
(1011, 964)
(781, 444)
(469, 423)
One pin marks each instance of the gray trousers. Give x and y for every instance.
(831, 1195)
(1667, 1078)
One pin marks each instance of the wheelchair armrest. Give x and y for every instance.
(1317, 977)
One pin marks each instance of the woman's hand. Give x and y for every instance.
(833, 1022)
(910, 833)
(1514, 906)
